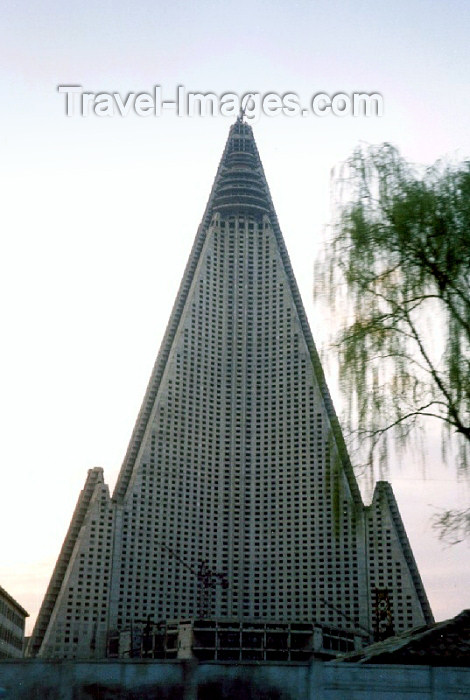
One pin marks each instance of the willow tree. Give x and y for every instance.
(399, 261)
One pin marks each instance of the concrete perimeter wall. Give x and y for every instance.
(176, 680)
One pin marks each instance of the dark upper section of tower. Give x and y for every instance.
(241, 186)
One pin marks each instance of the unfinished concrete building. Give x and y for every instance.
(236, 500)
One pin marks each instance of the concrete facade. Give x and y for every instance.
(146, 680)
(237, 466)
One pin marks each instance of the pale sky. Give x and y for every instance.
(99, 214)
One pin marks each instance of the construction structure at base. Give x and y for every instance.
(236, 499)
(232, 640)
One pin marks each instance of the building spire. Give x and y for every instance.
(243, 106)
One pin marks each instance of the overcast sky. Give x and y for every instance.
(98, 217)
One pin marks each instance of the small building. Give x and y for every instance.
(445, 643)
(12, 622)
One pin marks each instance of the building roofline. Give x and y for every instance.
(13, 602)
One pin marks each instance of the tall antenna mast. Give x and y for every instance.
(244, 105)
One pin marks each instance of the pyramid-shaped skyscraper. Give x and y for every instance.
(236, 499)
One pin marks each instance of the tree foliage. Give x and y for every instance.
(400, 251)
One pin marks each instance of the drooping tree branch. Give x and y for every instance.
(400, 250)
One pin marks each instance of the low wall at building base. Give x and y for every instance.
(33, 679)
